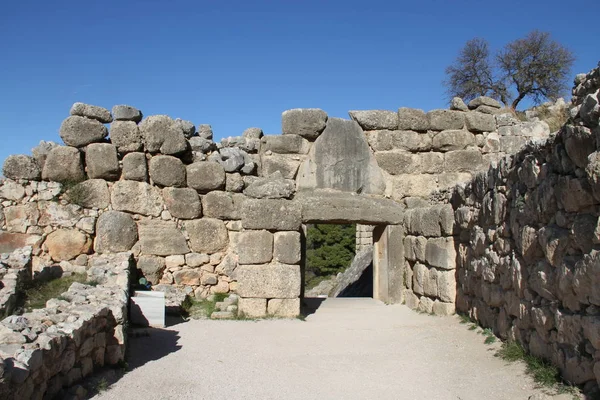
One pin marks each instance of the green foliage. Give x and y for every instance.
(39, 293)
(542, 372)
(329, 248)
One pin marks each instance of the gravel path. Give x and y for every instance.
(348, 349)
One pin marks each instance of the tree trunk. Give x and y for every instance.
(516, 101)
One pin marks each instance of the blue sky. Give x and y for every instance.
(237, 64)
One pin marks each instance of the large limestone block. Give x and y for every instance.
(305, 122)
(412, 119)
(115, 232)
(137, 198)
(580, 142)
(592, 171)
(402, 162)
(287, 247)
(453, 140)
(80, 131)
(92, 193)
(223, 205)
(182, 203)
(56, 214)
(102, 161)
(94, 112)
(161, 238)
(443, 309)
(446, 283)
(480, 122)
(40, 152)
(268, 281)
(329, 206)
(375, 119)
(167, 171)
(21, 167)
(270, 214)
(412, 141)
(484, 101)
(285, 144)
(252, 308)
(207, 235)
(255, 247)
(187, 277)
(468, 160)
(287, 165)
(413, 186)
(162, 134)
(440, 253)
(574, 194)
(11, 191)
(284, 308)
(124, 112)
(343, 159)
(152, 268)
(19, 218)
(63, 164)
(441, 120)
(66, 244)
(135, 167)
(126, 136)
(271, 187)
(205, 176)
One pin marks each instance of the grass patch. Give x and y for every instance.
(464, 319)
(199, 309)
(38, 294)
(102, 385)
(542, 372)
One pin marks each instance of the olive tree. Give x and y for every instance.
(535, 66)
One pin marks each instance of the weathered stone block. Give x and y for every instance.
(271, 215)
(287, 247)
(21, 167)
(255, 247)
(446, 283)
(425, 305)
(115, 232)
(463, 160)
(182, 203)
(574, 194)
(207, 235)
(411, 119)
(126, 136)
(413, 186)
(79, 131)
(66, 244)
(152, 268)
(271, 187)
(286, 165)
(269, 281)
(223, 205)
(453, 140)
(162, 134)
(305, 122)
(187, 277)
(401, 162)
(440, 252)
(161, 238)
(135, 167)
(286, 308)
(19, 218)
(102, 161)
(63, 164)
(94, 112)
(484, 101)
(205, 176)
(375, 119)
(252, 308)
(167, 171)
(92, 193)
(480, 122)
(137, 198)
(53, 213)
(441, 120)
(458, 104)
(285, 144)
(234, 183)
(126, 113)
(443, 309)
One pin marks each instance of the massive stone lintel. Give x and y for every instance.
(334, 206)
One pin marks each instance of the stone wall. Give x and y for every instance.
(529, 254)
(45, 351)
(430, 266)
(364, 237)
(15, 273)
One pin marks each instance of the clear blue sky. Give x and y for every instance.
(237, 64)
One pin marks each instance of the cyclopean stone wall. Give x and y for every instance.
(529, 254)
(46, 351)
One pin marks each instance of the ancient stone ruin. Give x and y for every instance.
(466, 209)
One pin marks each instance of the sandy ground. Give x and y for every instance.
(347, 349)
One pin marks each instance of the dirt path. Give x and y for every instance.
(348, 349)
